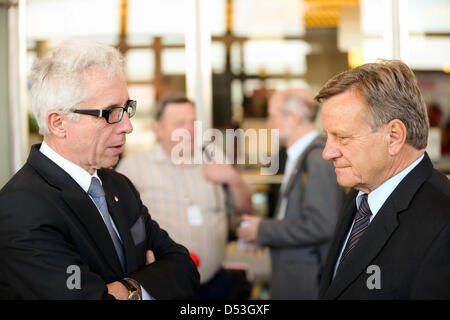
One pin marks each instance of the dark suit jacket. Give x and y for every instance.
(299, 243)
(408, 239)
(48, 223)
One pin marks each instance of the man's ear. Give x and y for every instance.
(396, 135)
(55, 122)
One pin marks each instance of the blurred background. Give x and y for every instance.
(228, 56)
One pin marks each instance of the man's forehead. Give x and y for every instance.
(172, 105)
(347, 103)
(179, 111)
(277, 97)
(106, 91)
(343, 113)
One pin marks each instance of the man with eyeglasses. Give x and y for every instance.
(70, 227)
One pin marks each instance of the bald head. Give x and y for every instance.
(297, 100)
(293, 112)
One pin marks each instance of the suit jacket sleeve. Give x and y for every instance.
(37, 251)
(36, 254)
(173, 275)
(317, 215)
(433, 279)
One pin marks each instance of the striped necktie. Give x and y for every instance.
(362, 220)
(98, 195)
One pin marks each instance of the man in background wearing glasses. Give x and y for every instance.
(71, 228)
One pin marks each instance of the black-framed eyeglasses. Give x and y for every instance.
(112, 115)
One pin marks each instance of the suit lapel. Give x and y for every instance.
(296, 173)
(116, 210)
(369, 245)
(378, 232)
(345, 221)
(80, 203)
(316, 143)
(89, 215)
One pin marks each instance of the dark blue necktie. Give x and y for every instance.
(98, 195)
(362, 220)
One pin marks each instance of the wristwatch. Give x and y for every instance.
(134, 289)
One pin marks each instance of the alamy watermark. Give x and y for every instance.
(74, 279)
(374, 280)
(260, 145)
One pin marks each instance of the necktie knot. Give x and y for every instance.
(96, 189)
(364, 206)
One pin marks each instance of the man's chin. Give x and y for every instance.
(110, 163)
(345, 183)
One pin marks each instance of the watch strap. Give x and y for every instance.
(132, 287)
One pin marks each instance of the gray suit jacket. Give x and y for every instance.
(299, 243)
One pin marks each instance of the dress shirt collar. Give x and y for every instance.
(81, 176)
(295, 150)
(378, 196)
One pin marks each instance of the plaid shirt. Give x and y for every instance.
(168, 190)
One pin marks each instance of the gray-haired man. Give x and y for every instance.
(308, 203)
(70, 228)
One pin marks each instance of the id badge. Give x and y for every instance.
(194, 215)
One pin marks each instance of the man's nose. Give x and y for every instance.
(125, 124)
(331, 150)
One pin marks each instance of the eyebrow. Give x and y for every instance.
(116, 105)
(112, 106)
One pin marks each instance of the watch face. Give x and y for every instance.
(134, 296)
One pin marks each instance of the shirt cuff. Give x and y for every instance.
(145, 295)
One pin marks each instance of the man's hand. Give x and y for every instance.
(118, 290)
(149, 257)
(249, 233)
(241, 192)
(219, 173)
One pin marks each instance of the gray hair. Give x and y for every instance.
(391, 92)
(300, 101)
(58, 79)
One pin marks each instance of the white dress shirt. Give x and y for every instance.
(293, 154)
(83, 178)
(378, 197)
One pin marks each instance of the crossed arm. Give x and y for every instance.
(118, 290)
(37, 247)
